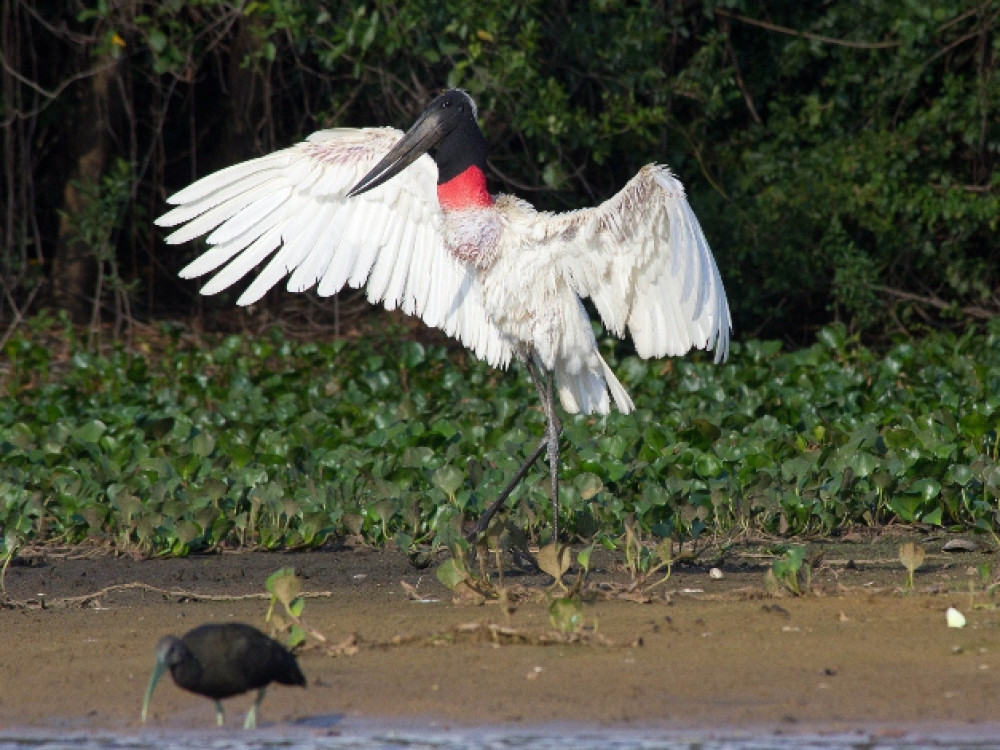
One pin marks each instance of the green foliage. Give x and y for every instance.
(96, 227)
(644, 561)
(870, 165)
(555, 560)
(841, 157)
(271, 443)
(566, 614)
(790, 570)
(284, 587)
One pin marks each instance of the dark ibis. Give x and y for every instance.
(219, 661)
(408, 216)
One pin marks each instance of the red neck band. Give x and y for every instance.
(467, 190)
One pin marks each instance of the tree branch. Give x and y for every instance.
(973, 311)
(806, 34)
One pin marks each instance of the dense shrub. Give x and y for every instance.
(841, 156)
(266, 442)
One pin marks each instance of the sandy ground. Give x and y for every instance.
(702, 652)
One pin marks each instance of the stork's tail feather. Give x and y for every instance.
(622, 400)
(587, 391)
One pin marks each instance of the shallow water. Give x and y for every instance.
(526, 738)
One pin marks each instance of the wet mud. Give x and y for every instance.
(78, 629)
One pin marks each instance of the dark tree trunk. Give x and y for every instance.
(242, 136)
(74, 266)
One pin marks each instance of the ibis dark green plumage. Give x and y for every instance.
(219, 661)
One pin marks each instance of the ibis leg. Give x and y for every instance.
(220, 717)
(251, 721)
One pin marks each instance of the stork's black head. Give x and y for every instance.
(447, 130)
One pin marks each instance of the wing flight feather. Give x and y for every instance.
(643, 259)
(292, 207)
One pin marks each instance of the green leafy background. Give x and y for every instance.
(268, 442)
(842, 158)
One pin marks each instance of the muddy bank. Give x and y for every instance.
(77, 647)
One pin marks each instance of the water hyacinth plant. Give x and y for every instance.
(267, 442)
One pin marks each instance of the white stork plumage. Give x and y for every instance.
(408, 217)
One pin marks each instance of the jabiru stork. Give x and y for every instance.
(409, 217)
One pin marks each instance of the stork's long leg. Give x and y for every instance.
(484, 520)
(549, 444)
(553, 427)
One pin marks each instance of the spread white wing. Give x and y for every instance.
(291, 206)
(642, 258)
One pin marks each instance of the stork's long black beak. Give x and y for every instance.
(453, 110)
(425, 134)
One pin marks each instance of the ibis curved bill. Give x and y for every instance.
(409, 218)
